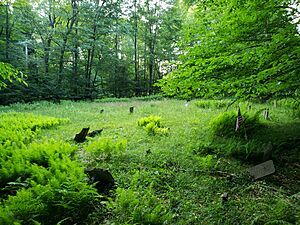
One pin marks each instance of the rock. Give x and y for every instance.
(94, 133)
(103, 179)
(262, 170)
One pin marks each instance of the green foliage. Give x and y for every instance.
(139, 205)
(151, 119)
(8, 73)
(40, 181)
(51, 203)
(152, 125)
(180, 177)
(206, 162)
(105, 148)
(224, 125)
(18, 128)
(97, 70)
(212, 103)
(235, 48)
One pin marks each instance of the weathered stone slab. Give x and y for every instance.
(95, 133)
(82, 135)
(262, 170)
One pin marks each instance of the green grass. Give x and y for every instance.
(178, 178)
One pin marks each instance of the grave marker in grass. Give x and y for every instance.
(95, 133)
(262, 170)
(103, 179)
(131, 109)
(79, 138)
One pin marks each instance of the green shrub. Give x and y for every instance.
(151, 119)
(224, 125)
(34, 161)
(206, 162)
(23, 127)
(152, 125)
(40, 183)
(105, 147)
(51, 203)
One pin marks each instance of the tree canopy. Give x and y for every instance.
(243, 49)
(73, 49)
(8, 73)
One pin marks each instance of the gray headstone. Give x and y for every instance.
(262, 170)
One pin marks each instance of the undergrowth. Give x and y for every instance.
(152, 125)
(40, 182)
(178, 178)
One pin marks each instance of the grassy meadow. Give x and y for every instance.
(172, 171)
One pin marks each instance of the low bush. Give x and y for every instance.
(40, 183)
(150, 119)
(23, 127)
(224, 125)
(51, 203)
(104, 148)
(152, 125)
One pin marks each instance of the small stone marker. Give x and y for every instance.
(268, 152)
(262, 170)
(103, 179)
(82, 135)
(224, 197)
(131, 109)
(266, 114)
(94, 133)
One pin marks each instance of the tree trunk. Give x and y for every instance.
(47, 55)
(116, 65)
(61, 60)
(75, 62)
(70, 24)
(136, 73)
(7, 33)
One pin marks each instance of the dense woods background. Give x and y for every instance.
(88, 49)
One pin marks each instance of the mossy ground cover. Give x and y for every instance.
(174, 178)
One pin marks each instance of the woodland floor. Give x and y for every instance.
(187, 170)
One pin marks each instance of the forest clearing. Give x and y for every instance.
(188, 173)
(149, 112)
